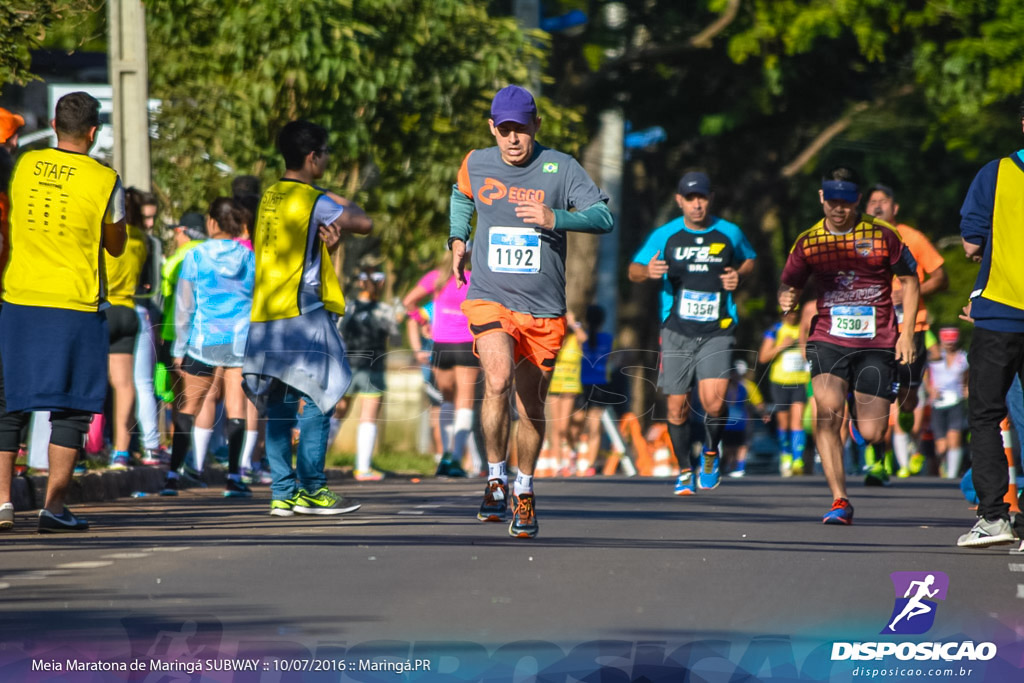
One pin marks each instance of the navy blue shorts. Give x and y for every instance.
(53, 358)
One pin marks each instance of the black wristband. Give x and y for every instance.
(452, 239)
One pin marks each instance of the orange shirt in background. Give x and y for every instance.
(928, 261)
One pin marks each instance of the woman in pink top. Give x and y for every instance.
(456, 367)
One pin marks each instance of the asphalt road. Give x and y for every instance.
(625, 582)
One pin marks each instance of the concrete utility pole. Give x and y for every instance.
(528, 14)
(612, 132)
(129, 77)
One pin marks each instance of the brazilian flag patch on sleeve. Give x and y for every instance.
(550, 167)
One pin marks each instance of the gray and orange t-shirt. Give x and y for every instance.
(517, 265)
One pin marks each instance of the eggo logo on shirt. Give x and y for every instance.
(493, 190)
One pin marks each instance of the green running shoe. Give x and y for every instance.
(323, 502)
(286, 507)
(876, 475)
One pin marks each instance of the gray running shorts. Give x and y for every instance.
(685, 360)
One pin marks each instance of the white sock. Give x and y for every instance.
(524, 483)
(475, 461)
(901, 448)
(953, 458)
(332, 432)
(248, 446)
(200, 445)
(497, 470)
(463, 427)
(447, 417)
(366, 437)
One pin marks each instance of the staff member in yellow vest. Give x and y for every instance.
(992, 228)
(67, 216)
(123, 275)
(294, 351)
(789, 376)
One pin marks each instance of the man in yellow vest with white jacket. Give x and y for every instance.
(294, 351)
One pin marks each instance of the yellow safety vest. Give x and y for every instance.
(789, 367)
(565, 378)
(1004, 284)
(283, 225)
(123, 272)
(58, 205)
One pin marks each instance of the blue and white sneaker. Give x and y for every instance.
(709, 476)
(119, 460)
(685, 485)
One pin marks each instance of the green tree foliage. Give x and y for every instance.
(25, 25)
(767, 94)
(403, 86)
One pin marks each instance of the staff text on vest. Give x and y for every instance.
(53, 171)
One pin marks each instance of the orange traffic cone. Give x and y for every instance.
(1011, 490)
(547, 462)
(660, 445)
(629, 427)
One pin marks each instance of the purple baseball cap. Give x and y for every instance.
(515, 104)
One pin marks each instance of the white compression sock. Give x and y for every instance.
(524, 483)
(497, 470)
(953, 458)
(248, 446)
(475, 460)
(463, 428)
(901, 448)
(447, 417)
(200, 445)
(366, 437)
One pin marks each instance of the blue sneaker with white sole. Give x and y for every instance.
(685, 484)
(709, 476)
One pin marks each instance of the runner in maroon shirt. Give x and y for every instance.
(853, 341)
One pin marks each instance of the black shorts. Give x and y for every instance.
(950, 419)
(912, 374)
(197, 368)
(598, 396)
(123, 324)
(785, 395)
(445, 355)
(734, 438)
(868, 371)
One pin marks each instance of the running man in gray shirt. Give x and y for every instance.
(522, 193)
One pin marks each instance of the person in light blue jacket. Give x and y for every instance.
(212, 305)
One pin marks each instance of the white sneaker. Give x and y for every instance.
(985, 533)
(6, 516)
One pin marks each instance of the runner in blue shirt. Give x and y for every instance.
(700, 260)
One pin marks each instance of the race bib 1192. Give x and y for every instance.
(513, 250)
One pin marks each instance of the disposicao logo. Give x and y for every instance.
(913, 613)
(916, 593)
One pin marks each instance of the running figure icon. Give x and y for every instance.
(915, 606)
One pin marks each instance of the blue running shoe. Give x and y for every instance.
(685, 485)
(171, 487)
(841, 513)
(524, 519)
(119, 460)
(709, 476)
